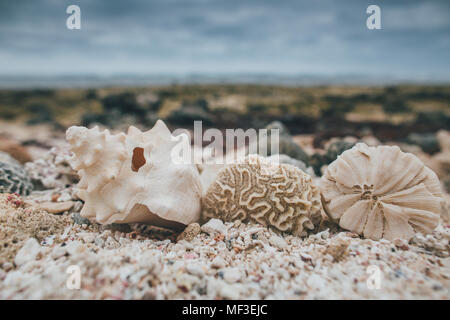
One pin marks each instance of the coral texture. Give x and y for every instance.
(52, 171)
(381, 192)
(13, 178)
(257, 189)
(134, 177)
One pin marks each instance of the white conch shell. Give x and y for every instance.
(257, 189)
(381, 192)
(208, 174)
(133, 178)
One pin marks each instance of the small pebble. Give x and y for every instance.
(218, 263)
(78, 219)
(99, 242)
(58, 252)
(7, 266)
(278, 242)
(229, 292)
(28, 252)
(214, 226)
(88, 237)
(56, 207)
(195, 269)
(190, 232)
(231, 275)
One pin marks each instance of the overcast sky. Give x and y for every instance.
(226, 36)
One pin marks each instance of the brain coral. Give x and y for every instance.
(381, 192)
(257, 189)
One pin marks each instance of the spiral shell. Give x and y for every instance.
(129, 178)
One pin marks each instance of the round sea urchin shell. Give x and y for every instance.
(381, 192)
(257, 189)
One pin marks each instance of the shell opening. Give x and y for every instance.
(138, 159)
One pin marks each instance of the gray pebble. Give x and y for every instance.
(78, 219)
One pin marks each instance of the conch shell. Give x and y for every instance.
(133, 178)
(260, 190)
(381, 192)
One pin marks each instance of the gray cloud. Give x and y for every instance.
(179, 36)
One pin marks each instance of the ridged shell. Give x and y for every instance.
(133, 178)
(381, 192)
(257, 189)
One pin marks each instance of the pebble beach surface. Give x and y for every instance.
(220, 261)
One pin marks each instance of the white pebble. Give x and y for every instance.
(218, 263)
(231, 275)
(278, 242)
(195, 269)
(316, 282)
(99, 242)
(124, 241)
(58, 252)
(229, 292)
(74, 247)
(214, 226)
(28, 252)
(7, 266)
(87, 237)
